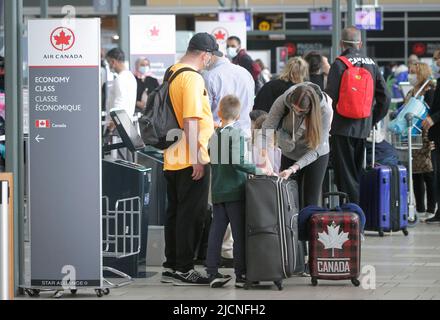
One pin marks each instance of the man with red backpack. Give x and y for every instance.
(360, 100)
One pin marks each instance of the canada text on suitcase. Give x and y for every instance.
(335, 246)
(272, 248)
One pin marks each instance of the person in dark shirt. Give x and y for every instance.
(146, 84)
(432, 123)
(348, 136)
(240, 57)
(315, 61)
(295, 72)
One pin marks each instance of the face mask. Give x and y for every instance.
(144, 70)
(412, 79)
(435, 68)
(232, 52)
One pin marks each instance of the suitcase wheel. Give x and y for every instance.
(314, 282)
(247, 285)
(381, 233)
(279, 285)
(355, 282)
(405, 232)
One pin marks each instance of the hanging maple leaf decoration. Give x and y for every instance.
(333, 239)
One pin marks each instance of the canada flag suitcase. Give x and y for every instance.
(335, 247)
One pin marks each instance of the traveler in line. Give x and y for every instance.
(432, 123)
(146, 83)
(305, 114)
(348, 135)
(239, 56)
(186, 163)
(295, 72)
(229, 175)
(316, 64)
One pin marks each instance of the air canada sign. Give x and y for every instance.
(62, 39)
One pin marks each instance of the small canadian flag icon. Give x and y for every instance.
(42, 124)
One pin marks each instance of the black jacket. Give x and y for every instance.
(434, 133)
(355, 128)
(270, 92)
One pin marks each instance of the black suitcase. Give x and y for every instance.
(273, 251)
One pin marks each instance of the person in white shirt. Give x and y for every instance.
(123, 92)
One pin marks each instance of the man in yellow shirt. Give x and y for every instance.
(186, 164)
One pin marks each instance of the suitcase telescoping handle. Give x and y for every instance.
(343, 198)
(373, 151)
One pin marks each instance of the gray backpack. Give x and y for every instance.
(159, 117)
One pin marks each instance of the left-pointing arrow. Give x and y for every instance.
(39, 139)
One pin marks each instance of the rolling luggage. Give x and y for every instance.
(384, 197)
(273, 252)
(335, 245)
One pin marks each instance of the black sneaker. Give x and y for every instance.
(219, 280)
(191, 278)
(168, 276)
(240, 282)
(435, 219)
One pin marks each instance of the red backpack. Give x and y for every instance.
(356, 93)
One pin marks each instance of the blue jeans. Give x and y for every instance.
(225, 213)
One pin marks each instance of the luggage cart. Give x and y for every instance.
(405, 146)
(121, 229)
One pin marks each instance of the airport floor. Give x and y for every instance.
(407, 268)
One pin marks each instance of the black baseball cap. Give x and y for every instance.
(205, 42)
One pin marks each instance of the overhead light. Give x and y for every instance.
(115, 37)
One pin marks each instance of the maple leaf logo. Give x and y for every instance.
(62, 39)
(154, 32)
(333, 239)
(220, 34)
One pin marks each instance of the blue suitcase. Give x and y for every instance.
(384, 199)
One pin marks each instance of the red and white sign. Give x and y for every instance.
(52, 43)
(42, 124)
(223, 30)
(152, 34)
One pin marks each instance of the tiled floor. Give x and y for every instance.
(406, 268)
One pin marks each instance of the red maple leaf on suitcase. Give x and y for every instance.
(333, 239)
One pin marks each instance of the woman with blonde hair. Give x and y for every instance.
(295, 72)
(302, 117)
(420, 75)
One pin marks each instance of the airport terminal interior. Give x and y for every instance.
(96, 205)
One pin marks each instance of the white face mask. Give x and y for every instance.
(412, 79)
(232, 52)
(144, 70)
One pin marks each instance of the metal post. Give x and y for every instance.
(336, 34)
(5, 245)
(20, 186)
(351, 13)
(124, 32)
(11, 93)
(44, 9)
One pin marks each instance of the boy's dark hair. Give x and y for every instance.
(116, 54)
(257, 114)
